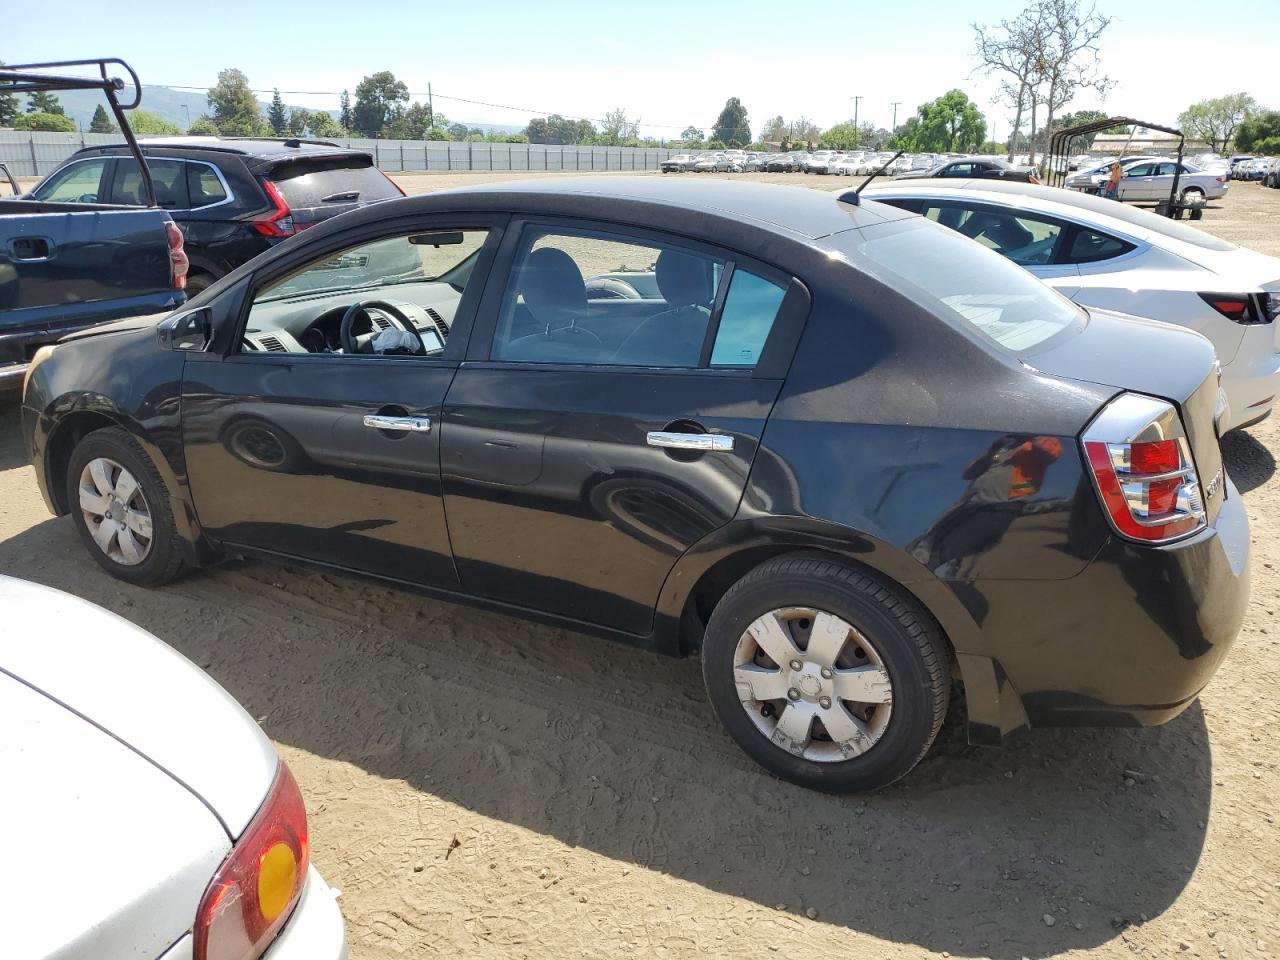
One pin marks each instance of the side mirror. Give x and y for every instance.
(188, 331)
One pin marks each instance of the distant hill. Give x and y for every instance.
(168, 103)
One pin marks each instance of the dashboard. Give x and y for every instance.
(311, 322)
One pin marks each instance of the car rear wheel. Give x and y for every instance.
(1192, 195)
(825, 676)
(120, 508)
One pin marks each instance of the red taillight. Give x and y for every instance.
(279, 222)
(393, 183)
(178, 262)
(254, 891)
(1142, 467)
(1232, 306)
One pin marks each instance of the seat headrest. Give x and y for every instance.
(551, 285)
(683, 279)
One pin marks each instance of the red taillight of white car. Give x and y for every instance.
(279, 222)
(1141, 463)
(179, 264)
(255, 890)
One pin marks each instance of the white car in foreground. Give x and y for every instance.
(146, 815)
(1104, 254)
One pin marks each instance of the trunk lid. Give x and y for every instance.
(1160, 360)
(107, 855)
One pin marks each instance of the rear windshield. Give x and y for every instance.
(349, 180)
(967, 280)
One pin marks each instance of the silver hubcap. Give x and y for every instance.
(115, 511)
(813, 684)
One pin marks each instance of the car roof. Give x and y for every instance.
(265, 148)
(799, 211)
(1053, 199)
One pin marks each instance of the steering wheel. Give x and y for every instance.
(349, 342)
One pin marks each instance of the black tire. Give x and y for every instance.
(165, 561)
(908, 643)
(198, 283)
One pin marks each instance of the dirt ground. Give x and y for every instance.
(482, 787)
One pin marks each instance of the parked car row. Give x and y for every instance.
(1151, 179)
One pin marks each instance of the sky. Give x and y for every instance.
(670, 64)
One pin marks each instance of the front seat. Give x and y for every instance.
(674, 337)
(545, 327)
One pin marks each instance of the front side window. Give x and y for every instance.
(584, 297)
(396, 296)
(1028, 241)
(1141, 170)
(77, 183)
(973, 285)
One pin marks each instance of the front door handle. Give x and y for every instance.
(704, 442)
(412, 424)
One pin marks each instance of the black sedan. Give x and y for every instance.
(841, 453)
(982, 168)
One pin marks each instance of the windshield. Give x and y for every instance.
(968, 281)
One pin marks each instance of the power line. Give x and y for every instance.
(439, 96)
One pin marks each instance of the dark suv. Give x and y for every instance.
(232, 199)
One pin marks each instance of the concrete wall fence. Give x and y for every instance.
(33, 154)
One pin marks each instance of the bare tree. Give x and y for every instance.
(616, 127)
(1068, 58)
(1045, 56)
(1010, 49)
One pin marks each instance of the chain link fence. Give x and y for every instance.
(34, 154)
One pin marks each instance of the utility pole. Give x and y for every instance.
(896, 104)
(855, 111)
(188, 115)
(431, 113)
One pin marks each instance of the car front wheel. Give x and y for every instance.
(121, 509)
(825, 676)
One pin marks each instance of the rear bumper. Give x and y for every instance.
(315, 931)
(1129, 641)
(1252, 379)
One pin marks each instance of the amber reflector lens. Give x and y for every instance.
(277, 878)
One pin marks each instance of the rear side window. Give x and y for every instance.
(972, 284)
(1027, 241)
(1090, 246)
(305, 184)
(167, 176)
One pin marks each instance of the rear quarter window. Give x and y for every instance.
(305, 184)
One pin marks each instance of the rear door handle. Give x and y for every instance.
(706, 442)
(378, 421)
(30, 249)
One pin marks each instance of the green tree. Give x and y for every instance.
(952, 122)
(906, 136)
(732, 122)
(380, 99)
(345, 120)
(100, 122)
(691, 136)
(296, 125)
(147, 124)
(617, 128)
(276, 115)
(410, 124)
(556, 129)
(843, 136)
(8, 106)
(320, 124)
(1259, 134)
(715, 144)
(235, 108)
(51, 122)
(203, 127)
(774, 129)
(458, 131)
(1215, 120)
(44, 102)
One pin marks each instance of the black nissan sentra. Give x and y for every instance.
(843, 454)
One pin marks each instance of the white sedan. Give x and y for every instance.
(1116, 257)
(146, 814)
